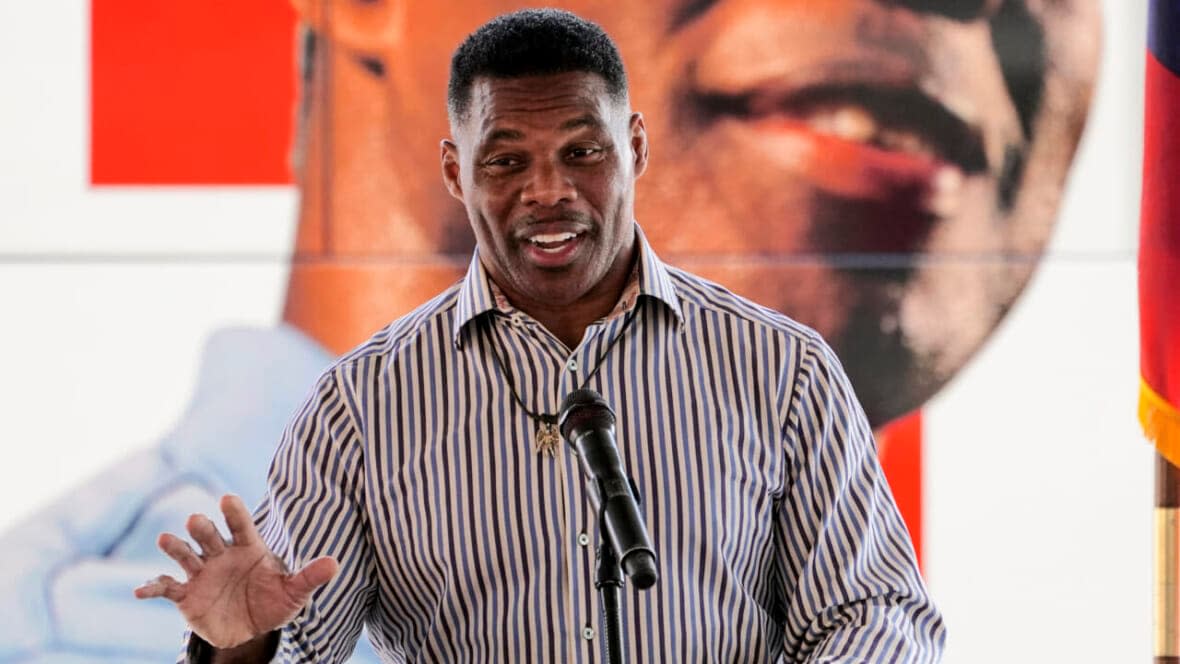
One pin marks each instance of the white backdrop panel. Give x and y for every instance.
(100, 360)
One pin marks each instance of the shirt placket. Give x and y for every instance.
(583, 536)
(578, 540)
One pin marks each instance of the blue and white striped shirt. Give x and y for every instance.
(412, 465)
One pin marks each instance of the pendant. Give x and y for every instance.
(547, 438)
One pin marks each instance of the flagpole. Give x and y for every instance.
(1159, 316)
(1167, 561)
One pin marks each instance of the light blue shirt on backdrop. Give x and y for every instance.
(66, 572)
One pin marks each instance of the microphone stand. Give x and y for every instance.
(588, 424)
(608, 579)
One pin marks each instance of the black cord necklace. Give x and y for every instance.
(547, 437)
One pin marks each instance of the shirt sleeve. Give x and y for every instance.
(851, 583)
(314, 506)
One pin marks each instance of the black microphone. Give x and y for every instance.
(588, 424)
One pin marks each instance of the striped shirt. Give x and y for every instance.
(412, 464)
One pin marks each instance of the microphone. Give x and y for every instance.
(588, 424)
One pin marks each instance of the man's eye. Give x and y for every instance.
(582, 153)
(506, 161)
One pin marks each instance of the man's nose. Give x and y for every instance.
(959, 10)
(547, 186)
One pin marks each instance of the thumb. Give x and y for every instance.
(312, 576)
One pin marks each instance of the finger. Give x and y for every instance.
(180, 551)
(162, 586)
(312, 576)
(239, 520)
(205, 534)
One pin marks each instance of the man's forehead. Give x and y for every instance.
(560, 101)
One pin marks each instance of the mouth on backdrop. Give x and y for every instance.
(873, 117)
(886, 160)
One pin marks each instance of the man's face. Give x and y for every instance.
(546, 168)
(886, 171)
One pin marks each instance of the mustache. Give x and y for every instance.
(567, 216)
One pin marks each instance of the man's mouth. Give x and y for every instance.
(552, 242)
(867, 143)
(895, 120)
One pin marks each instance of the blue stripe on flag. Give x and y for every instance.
(1163, 33)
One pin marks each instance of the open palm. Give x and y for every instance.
(236, 590)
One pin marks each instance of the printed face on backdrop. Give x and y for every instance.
(886, 171)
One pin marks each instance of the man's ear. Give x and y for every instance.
(367, 26)
(638, 143)
(450, 168)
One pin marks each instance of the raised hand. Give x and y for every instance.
(236, 590)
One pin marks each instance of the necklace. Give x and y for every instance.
(547, 437)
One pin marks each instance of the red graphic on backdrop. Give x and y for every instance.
(190, 92)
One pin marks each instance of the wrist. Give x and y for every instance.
(259, 650)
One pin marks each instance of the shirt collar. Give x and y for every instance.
(478, 295)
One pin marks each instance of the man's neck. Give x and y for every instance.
(567, 326)
(569, 322)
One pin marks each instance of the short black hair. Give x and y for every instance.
(533, 42)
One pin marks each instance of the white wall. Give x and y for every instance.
(1039, 484)
(107, 294)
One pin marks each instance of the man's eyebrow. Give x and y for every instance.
(503, 135)
(587, 120)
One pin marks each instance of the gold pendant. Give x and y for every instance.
(547, 438)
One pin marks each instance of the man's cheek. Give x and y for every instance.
(595, 185)
(489, 191)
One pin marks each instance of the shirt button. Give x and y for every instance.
(583, 539)
(588, 632)
(572, 366)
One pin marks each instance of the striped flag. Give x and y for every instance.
(1159, 235)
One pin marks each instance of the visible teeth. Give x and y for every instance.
(854, 123)
(851, 123)
(946, 192)
(548, 238)
(902, 141)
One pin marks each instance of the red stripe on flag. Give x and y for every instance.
(1159, 235)
(191, 91)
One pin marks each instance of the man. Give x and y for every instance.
(415, 492)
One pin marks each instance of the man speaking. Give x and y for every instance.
(423, 491)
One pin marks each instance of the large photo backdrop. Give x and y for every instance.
(256, 189)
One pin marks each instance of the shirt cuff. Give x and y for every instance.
(200, 652)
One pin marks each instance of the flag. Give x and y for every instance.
(1159, 235)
